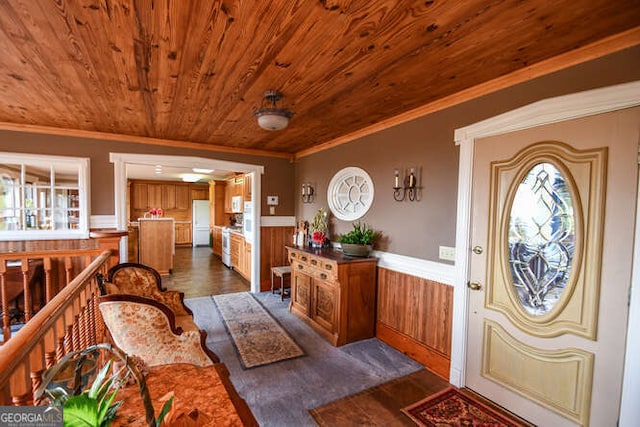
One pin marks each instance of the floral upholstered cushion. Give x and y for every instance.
(140, 281)
(145, 330)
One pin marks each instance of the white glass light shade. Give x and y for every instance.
(273, 120)
(191, 177)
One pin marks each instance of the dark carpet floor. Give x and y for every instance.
(281, 394)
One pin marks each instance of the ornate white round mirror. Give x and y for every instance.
(350, 193)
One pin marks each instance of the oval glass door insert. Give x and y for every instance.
(541, 238)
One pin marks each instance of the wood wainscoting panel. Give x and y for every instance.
(415, 317)
(273, 252)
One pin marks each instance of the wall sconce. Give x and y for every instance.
(307, 192)
(409, 188)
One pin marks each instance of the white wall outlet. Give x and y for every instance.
(447, 253)
(272, 200)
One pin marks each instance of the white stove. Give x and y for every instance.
(226, 247)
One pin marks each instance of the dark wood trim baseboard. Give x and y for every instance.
(431, 359)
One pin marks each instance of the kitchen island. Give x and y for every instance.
(156, 243)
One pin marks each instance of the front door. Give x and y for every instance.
(552, 238)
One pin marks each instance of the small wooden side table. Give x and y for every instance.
(282, 273)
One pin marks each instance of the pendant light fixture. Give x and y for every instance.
(269, 116)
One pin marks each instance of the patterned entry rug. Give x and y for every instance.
(258, 338)
(451, 408)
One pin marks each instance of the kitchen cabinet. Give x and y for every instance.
(334, 294)
(234, 187)
(216, 248)
(217, 203)
(228, 194)
(168, 196)
(154, 196)
(183, 202)
(199, 192)
(139, 199)
(246, 188)
(240, 255)
(247, 261)
(237, 242)
(175, 196)
(183, 234)
(238, 187)
(244, 260)
(239, 267)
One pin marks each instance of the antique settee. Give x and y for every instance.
(141, 280)
(154, 326)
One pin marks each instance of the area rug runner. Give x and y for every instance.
(258, 338)
(451, 408)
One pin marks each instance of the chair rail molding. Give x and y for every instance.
(424, 269)
(103, 221)
(544, 112)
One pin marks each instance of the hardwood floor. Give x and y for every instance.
(198, 273)
(381, 405)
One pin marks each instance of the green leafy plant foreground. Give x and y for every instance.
(95, 407)
(360, 235)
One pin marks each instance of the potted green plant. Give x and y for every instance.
(94, 406)
(359, 241)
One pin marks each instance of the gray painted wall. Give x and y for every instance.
(417, 229)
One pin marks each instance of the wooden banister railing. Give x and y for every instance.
(69, 322)
(30, 279)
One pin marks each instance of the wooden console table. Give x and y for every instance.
(333, 293)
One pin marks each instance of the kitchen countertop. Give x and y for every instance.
(135, 223)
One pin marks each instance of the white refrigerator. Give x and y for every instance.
(200, 222)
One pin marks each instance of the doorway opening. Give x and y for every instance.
(122, 160)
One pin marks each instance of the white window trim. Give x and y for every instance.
(83, 165)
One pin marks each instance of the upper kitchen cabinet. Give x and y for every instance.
(217, 203)
(246, 194)
(238, 186)
(182, 197)
(175, 196)
(139, 200)
(154, 196)
(169, 196)
(231, 191)
(199, 192)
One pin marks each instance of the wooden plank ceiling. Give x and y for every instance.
(194, 70)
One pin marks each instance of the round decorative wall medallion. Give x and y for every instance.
(350, 193)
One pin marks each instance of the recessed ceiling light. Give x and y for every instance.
(191, 177)
(201, 170)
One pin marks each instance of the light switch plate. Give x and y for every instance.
(447, 253)
(272, 200)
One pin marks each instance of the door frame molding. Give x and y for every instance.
(544, 112)
(120, 161)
